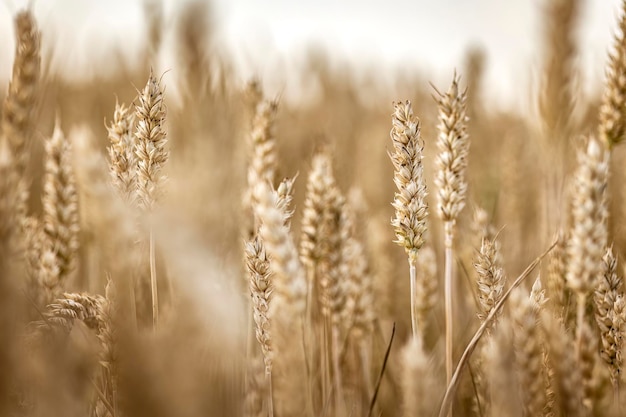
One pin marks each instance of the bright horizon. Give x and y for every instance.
(269, 38)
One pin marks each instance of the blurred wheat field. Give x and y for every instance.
(229, 253)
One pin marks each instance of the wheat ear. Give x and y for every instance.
(108, 336)
(151, 156)
(76, 306)
(287, 309)
(262, 147)
(609, 314)
(453, 144)
(491, 278)
(18, 109)
(60, 203)
(409, 201)
(612, 125)
(529, 355)
(122, 158)
(588, 236)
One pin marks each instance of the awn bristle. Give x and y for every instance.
(60, 203)
(453, 144)
(122, 158)
(410, 199)
(20, 103)
(150, 142)
(613, 109)
(610, 308)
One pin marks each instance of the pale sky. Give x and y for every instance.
(268, 38)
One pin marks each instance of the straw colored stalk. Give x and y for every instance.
(588, 236)
(317, 223)
(20, 104)
(60, 205)
(612, 127)
(415, 380)
(151, 155)
(451, 162)
(609, 314)
(122, 158)
(425, 288)
(287, 309)
(409, 202)
(331, 281)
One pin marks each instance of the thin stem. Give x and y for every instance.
(365, 364)
(580, 322)
(454, 382)
(153, 282)
(616, 397)
(382, 371)
(449, 312)
(448, 282)
(270, 395)
(413, 280)
(336, 368)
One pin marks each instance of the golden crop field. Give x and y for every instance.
(229, 253)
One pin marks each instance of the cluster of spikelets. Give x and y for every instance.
(553, 348)
(48, 243)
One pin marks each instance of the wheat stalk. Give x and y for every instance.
(287, 310)
(453, 144)
(151, 155)
(409, 202)
(415, 380)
